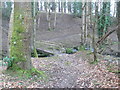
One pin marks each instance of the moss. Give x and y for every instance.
(81, 48)
(69, 51)
(26, 74)
(34, 53)
(16, 47)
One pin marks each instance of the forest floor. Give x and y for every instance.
(67, 71)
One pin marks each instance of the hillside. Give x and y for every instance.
(66, 34)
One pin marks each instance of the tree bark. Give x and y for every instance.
(0, 29)
(10, 30)
(65, 6)
(20, 42)
(48, 15)
(35, 11)
(59, 6)
(84, 24)
(55, 17)
(118, 30)
(62, 5)
(94, 28)
(69, 7)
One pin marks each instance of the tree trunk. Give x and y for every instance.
(55, 17)
(48, 15)
(59, 6)
(45, 6)
(10, 30)
(90, 20)
(69, 7)
(35, 11)
(87, 22)
(65, 7)
(41, 6)
(1, 29)
(62, 4)
(84, 24)
(53, 6)
(20, 42)
(118, 31)
(94, 28)
(89, 13)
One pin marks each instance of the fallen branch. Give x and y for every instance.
(106, 35)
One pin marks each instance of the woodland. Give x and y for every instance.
(60, 44)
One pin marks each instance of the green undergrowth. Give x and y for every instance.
(114, 71)
(74, 49)
(110, 68)
(26, 74)
(81, 48)
(69, 51)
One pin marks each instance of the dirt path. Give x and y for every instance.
(71, 71)
(61, 72)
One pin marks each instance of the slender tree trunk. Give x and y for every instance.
(55, 17)
(94, 44)
(35, 11)
(49, 18)
(65, 7)
(94, 28)
(41, 6)
(47, 10)
(118, 31)
(90, 20)
(45, 6)
(84, 24)
(89, 13)
(48, 15)
(87, 22)
(62, 4)
(69, 7)
(59, 6)
(20, 42)
(0, 29)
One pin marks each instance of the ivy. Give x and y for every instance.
(104, 20)
(9, 61)
(77, 9)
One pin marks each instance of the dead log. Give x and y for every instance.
(106, 35)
